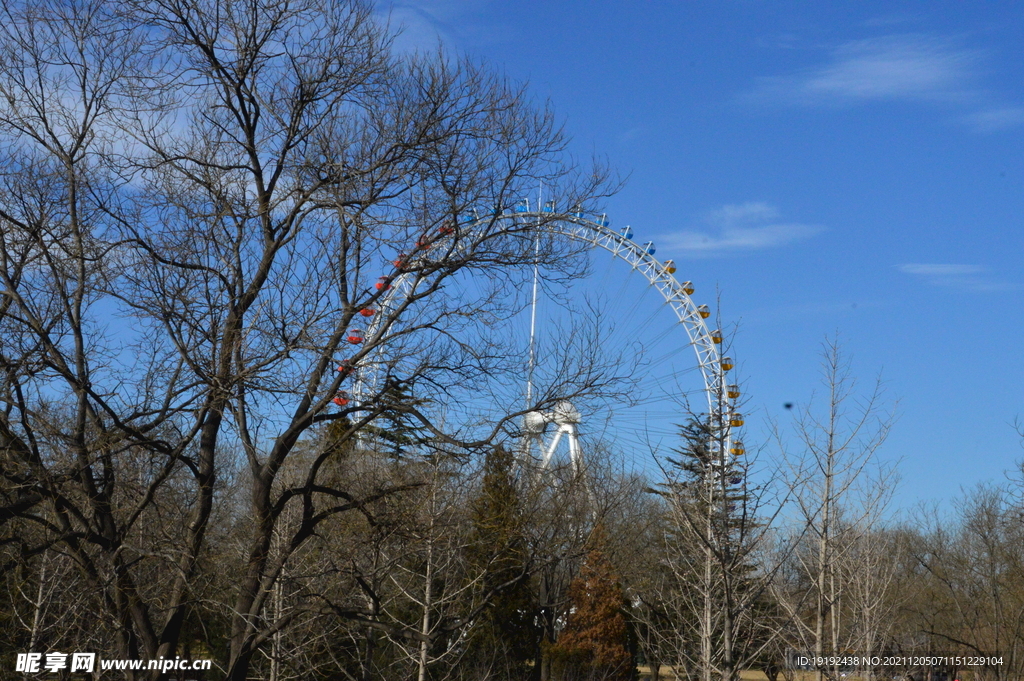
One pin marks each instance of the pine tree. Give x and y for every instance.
(506, 636)
(595, 643)
(704, 477)
(713, 530)
(394, 431)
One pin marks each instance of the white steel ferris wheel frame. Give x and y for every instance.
(596, 233)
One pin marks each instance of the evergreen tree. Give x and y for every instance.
(394, 431)
(704, 477)
(595, 643)
(713, 531)
(506, 637)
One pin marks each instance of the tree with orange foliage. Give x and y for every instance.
(595, 641)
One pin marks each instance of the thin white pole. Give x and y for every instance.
(533, 323)
(533, 305)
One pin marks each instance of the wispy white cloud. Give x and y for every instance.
(736, 228)
(424, 24)
(418, 30)
(629, 136)
(969, 277)
(939, 270)
(900, 67)
(996, 118)
(894, 67)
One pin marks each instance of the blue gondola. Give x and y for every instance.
(649, 248)
(549, 206)
(626, 232)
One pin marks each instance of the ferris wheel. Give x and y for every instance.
(654, 322)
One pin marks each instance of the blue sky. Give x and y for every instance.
(831, 167)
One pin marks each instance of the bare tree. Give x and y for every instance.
(722, 558)
(200, 201)
(969, 599)
(840, 444)
(870, 569)
(722, 507)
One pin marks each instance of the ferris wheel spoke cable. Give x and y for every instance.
(661, 385)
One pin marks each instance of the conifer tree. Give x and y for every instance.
(595, 643)
(714, 531)
(506, 637)
(703, 477)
